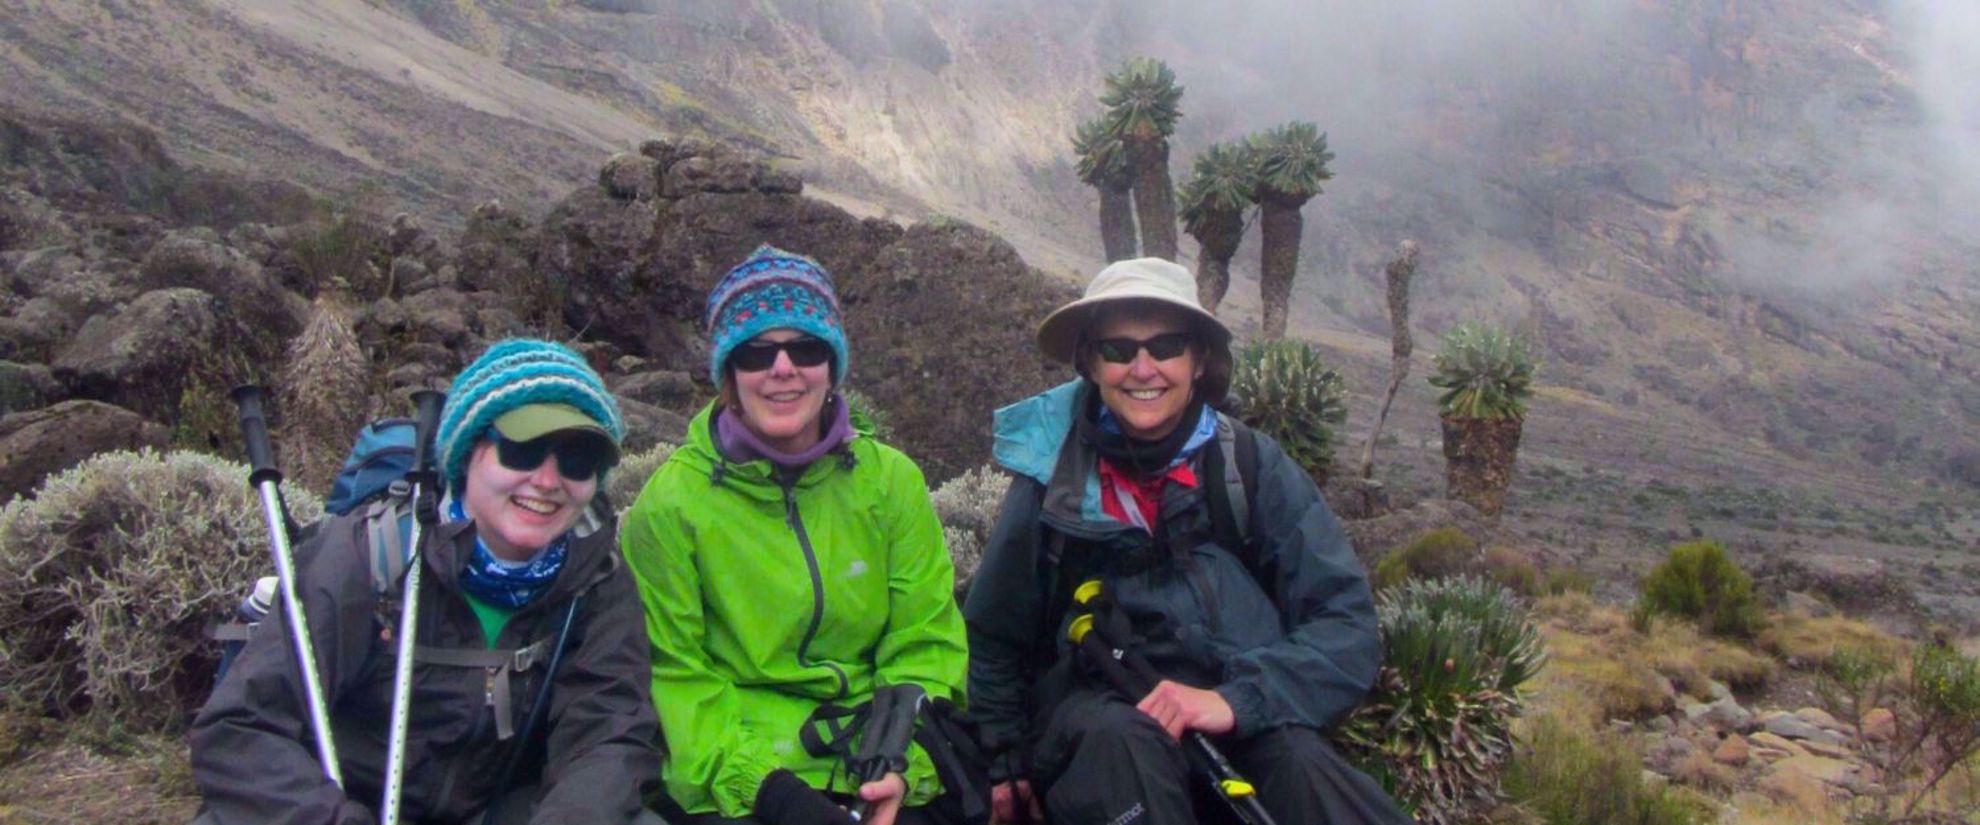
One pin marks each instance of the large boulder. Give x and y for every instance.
(36, 443)
(261, 316)
(1856, 584)
(141, 357)
(630, 177)
(26, 386)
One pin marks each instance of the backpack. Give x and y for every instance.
(373, 478)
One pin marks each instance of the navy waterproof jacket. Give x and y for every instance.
(1285, 630)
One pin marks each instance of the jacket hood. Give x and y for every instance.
(1030, 433)
(758, 477)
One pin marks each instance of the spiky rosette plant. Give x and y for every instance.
(1438, 725)
(1143, 104)
(1487, 377)
(1291, 164)
(1484, 373)
(1285, 389)
(1103, 165)
(1215, 198)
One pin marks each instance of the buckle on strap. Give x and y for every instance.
(527, 657)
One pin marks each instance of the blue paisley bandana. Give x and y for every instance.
(1206, 429)
(504, 583)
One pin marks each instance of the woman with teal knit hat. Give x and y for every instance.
(521, 576)
(790, 565)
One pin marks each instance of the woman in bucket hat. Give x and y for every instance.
(788, 564)
(1258, 619)
(522, 564)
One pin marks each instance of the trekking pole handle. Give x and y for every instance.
(426, 419)
(254, 431)
(891, 727)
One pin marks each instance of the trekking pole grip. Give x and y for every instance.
(426, 420)
(254, 431)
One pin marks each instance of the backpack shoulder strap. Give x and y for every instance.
(1234, 484)
(387, 528)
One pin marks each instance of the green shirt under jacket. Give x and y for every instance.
(766, 599)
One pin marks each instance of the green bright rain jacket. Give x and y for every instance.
(767, 598)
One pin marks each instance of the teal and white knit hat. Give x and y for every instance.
(511, 375)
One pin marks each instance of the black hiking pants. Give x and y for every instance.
(908, 816)
(1101, 762)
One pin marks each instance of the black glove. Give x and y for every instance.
(784, 799)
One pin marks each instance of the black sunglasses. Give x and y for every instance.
(580, 456)
(1161, 347)
(756, 355)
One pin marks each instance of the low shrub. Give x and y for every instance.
(627, 479)
(1700, 581)
(1438, 725)
(1563, 580)
(967, 506)
(1436, 554)
(1513, 571)
(110, 576)
(1567, 775)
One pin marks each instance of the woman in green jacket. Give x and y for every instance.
(787, 564)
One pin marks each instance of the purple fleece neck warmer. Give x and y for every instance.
(739, 444)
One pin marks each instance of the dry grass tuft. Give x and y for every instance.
(324, 397)
(1625, 674)
(1808, 642)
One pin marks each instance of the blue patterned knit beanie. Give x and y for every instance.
(773, 289)
(509, 375)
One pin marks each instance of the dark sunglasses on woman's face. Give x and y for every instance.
(1161, 347)
(756, 355)
(579, 457)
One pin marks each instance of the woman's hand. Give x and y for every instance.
(1012, 802)
(886, 794)
(1177, 708)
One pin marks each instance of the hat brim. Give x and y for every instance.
(1058, 334)
(533, 421)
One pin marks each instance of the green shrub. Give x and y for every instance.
(1484, 373)
(1438, 725)
(627, 479)
(1435, 554)
(1700, 581)
(1934, 728)
(1561, 581)
(967, 506)
(867, 417)
(110, 576)
(1564, 775)
(1285, 390)
(1513, 571)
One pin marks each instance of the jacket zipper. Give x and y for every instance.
(796, 523)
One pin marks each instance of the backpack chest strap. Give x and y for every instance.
(499, 664)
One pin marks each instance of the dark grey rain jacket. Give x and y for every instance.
(591, 757)
(1284, 630)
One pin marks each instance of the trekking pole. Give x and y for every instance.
(1132, 676)
(267, 480)
(889, 727)
(422, 478)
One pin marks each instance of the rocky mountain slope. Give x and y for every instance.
(1726, 223)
